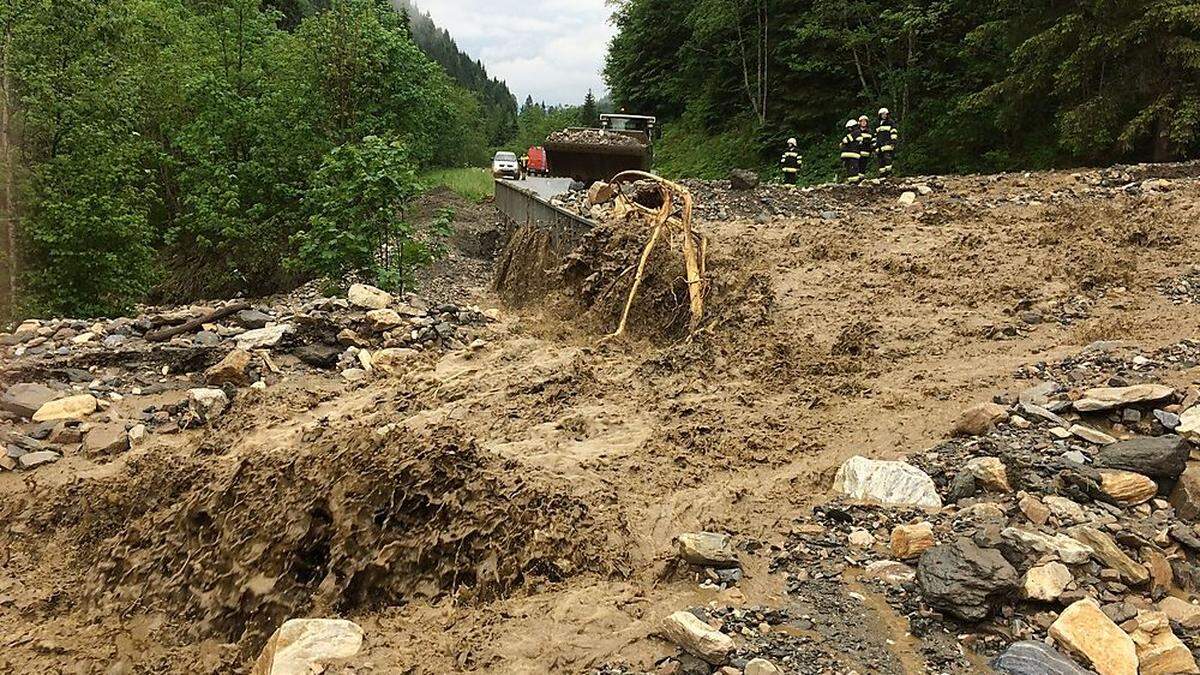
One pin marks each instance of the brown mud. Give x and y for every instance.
(511, 509)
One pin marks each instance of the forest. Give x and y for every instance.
(168, 150)
(975, 86)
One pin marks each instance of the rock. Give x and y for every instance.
(1157, 457)
(1159, 651)
(368, 297)
(1035, 658)
(1067, 511)
(365, 361)
(860, 538)
(741, 179)
(1170, 421)
(1183, 613)
(264, 338)
(207, 338)
(1161, 574)
(600, 193)
(137, 434)
(707, 548)
(989, 473)
(307, 646)
(1185, 497)
(1127, 488)
(979, 419)
(1189, 424)
(106, 439)
(1046, 582)
(697, 638)
(69, 408)
(907, 199)
(1091, 435)
(890, 571)
(381, 320)
(318, 355)
(394, 361)
(25, 398)
(983, 511)
(253, 319)
(1037, 512)
(910, 541)
(231, 370)
(1084, 630)
(354, 374)
(31, 460)
(207, 404)
(1105, 550)
(888, 483)
(1067, 549)
(1107, 398)
(761, 667)
(965, 580)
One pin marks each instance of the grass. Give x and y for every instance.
(473, 184)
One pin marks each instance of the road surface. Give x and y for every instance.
(542, 187)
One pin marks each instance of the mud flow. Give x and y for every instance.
(483, 483)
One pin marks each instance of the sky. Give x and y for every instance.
(550, 49)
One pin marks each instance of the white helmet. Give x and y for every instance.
(791, 141)
(883, 111)
(851, 123)
(864, 118)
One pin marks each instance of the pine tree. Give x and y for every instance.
(589, 115)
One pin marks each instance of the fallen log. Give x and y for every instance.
(215, 315)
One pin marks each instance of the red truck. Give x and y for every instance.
(538, 166)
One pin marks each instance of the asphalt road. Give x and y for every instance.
(542, 187)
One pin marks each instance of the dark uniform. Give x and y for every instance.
(887, 135)
(791, 165)
(866, 146)
(851, 155)
(523, 167)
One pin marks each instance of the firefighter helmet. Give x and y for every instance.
(791, 141)
(883, 111)
(851, 123)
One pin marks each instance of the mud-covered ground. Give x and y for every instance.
(511, 506)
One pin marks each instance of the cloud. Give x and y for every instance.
(552, 50)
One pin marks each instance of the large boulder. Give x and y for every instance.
(1035, 658)
(25, 398)
(741, 179)
(888, 483)
(307, 646)
(1087, 632)
(707, 548)
(979, 419)
(69, 408)
(368, 297)
(231, 369)
(1107, 398)
(1159, 651)
(1157, 457)
(965, 580)
(697, 638)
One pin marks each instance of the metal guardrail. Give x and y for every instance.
(522, 208)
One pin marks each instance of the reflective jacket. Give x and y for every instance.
(887, 134)
(866, 140)
(790, 161)
(850, 148)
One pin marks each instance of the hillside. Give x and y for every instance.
(499, 105)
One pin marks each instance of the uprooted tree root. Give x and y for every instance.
(359, 521)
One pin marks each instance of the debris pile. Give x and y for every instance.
(97, 387)
(580, 136)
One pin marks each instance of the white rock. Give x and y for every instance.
(908, 199)
(383, 319)
(1189, 424)
(69, 408)
(207, 403)
(1107, 398)
(1067, 511)
(393, 361)
(368, 297)
(888, 483)
(761, 667)
(307, 646)
(860, 538)
(1091, 435)
(697, 638)
(364, 360)
(1067, 549)
(707, 548)
(262, 338)
(1046, 582)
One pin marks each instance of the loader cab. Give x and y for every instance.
(638, 126)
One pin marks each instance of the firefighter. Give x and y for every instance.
(850, 154)
(887, 134)
(523, 166)
(866, 146)
(790, 163)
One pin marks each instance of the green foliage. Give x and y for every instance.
(356, 203)
(537, 121)
(184, 147)
(470, 183)
(976, 86)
